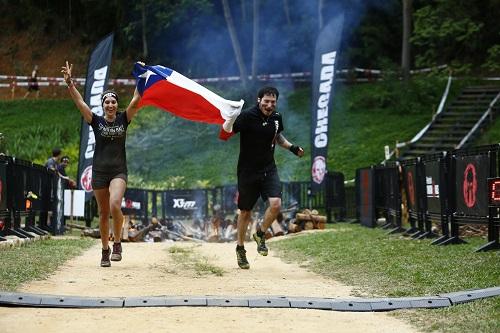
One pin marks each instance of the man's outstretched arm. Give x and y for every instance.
(283, 142)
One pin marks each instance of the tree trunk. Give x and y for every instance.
(243, 11)
(405, 52)
(144, 39)
(320, 14)
(235, 42)
(255, 49)
(69, 16)
(287, 12)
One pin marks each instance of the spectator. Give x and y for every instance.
(53, 162)
(61, 169)
(33, 83)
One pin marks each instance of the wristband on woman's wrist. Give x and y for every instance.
(294, 149)
(70, 83)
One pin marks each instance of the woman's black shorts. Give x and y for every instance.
(252, 184)
(102, 180)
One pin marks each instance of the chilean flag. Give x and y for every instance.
(168, 90)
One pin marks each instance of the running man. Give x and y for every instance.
(260, 130)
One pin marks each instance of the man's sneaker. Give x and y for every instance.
(261, 244)
(241, 256)
(117, 252)
(105, 258)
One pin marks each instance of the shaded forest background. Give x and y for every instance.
(273, 36)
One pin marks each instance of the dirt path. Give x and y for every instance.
(148, 269)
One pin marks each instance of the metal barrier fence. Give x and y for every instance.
(31, 199)
(450, 189)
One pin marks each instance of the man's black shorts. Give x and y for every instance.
(102, 180)
(252, 184)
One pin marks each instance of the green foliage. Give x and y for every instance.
(492, 63)
(31, 128)
(37, 260)
(379, 265)
(455, 33)
(366, 43)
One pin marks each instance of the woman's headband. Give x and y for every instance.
(109, 94)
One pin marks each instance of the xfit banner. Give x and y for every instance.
(96, 82)
(191, 203)
(325, 56)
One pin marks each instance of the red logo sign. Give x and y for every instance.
(365, 183)
(318, 169)
(470, 185)
(86, 179)
(411, 188)
(494, 186)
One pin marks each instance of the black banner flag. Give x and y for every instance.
(95, 84)
(325, 54)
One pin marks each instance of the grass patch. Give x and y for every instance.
(190, 260)
(37, 260)
(380, 265)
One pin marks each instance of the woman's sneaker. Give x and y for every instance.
(105, 258)
(117, 252)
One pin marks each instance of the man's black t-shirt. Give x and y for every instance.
(257, 139)
(109, 154)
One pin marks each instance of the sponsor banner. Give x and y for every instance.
(471, 181)
(325, 56)
(191, 203)
(74, 203)
(411, 188)
(433, 187)
(96, 82)
(3, 186)
(365, 194)
(135, 202)
(393, 189)
(57, 220)
(230, 197)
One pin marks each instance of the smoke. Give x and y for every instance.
(201, 47)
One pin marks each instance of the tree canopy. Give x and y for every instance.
(192, 36)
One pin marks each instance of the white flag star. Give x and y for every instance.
(147, 75)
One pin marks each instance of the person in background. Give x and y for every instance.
(109, 166)
(53, 162)
(61, 169)
(33, 83)
(260, 129)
